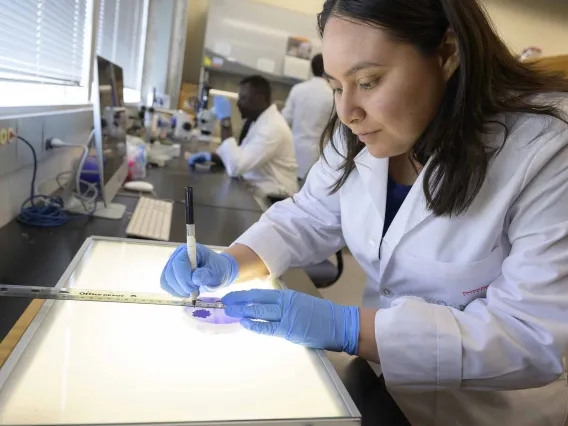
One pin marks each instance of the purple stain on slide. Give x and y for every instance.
(211, 316)
(201, 313)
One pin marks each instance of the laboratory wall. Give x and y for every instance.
(195, 39)
(311, 7)
(158, 39)
(525, 23)
(177, 52)
(165, 48)
(521, 23)
(197, 15)
(71, 125)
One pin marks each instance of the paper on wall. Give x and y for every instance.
(296, 67)
(266, 65)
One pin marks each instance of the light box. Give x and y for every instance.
(115, 363)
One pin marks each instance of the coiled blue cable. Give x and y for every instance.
(43, 211)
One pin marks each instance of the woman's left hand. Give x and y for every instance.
(299, 318)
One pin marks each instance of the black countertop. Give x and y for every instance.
(224, 209)
(215, 188)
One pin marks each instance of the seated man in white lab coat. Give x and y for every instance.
(266, 155)
(307, 111)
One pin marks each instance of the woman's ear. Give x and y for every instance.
(449, 54)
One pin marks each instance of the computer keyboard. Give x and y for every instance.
(152, 219)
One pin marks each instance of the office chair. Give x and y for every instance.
(323, 274)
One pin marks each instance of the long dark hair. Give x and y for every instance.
(489, 80)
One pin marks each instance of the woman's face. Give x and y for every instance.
(386, 92)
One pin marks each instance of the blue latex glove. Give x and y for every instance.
(222, 107)
(297, 317)
(213, 271)
(200, 157)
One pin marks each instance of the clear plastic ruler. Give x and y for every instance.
(102, 296)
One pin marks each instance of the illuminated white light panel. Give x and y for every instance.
(93, 362)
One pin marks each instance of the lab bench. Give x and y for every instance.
(224, 208)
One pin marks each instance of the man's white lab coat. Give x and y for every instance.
(266, 155)
(472, 327)
(307, 111)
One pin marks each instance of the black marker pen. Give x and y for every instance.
(190, 232)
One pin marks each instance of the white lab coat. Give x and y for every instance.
(307, 111)
(266, 156)
(472, 324)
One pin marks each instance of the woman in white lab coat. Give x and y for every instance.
(447, 178)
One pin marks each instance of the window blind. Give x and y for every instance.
(119, 39)
(44, 40)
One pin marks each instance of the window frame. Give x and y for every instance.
(141, 54)
(89, 58)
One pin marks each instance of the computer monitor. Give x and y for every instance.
(109, 137)
(110, 123)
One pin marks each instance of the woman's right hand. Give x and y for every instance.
(213, 271)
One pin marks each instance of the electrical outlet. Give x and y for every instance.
(7, 135)
(7, 146)
(72, 127)
(31, 129)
